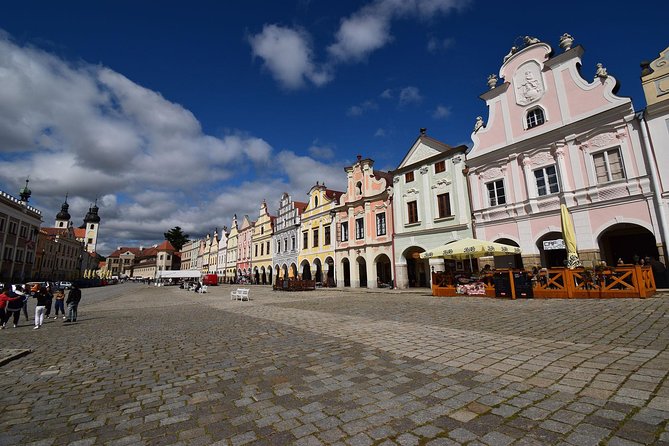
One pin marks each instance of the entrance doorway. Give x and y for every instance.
(417, 268)
(510, 261)
(628, 242)
(551, 258)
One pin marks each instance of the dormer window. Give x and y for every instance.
(535, 117)
(315, 202)
(358, 188)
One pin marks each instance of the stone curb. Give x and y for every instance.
(9, 354)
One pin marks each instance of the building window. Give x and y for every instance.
(262, 249)
(315, 202)
(608, 166)
(267, 248)
(381, 223)
(408, 177)
(359, 228)
(547, 181)
(90, 240)
(444, 205)
(2, 224)
(278, 246)
(292, 246)
(9, 252)
(305, 240)
(326, 235)
(315, 234)
(496, 192)
(169, 257)
(412, 210)
(23, 231)
(262, 230)
(440, 167)
(92, 226)
(12, 227)
(535, 117)
(358, 188)
(344, 232)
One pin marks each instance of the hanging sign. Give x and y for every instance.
(550, 245)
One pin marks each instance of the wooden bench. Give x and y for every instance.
(240, 294)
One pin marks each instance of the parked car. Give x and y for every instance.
(64, 285)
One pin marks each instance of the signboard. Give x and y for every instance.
(550, 245)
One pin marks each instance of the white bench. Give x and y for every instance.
(203, 289)
(240, 294)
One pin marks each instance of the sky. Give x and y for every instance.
(185, 113)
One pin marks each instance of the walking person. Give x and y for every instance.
(49, 296)
(26, 295)
(60, 303)
(73, 299)
(40, 307)
(14, 305)
(6, 297)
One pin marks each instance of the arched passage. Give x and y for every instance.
(362, 271)
(417, 268)
(318, 275)
(628, 242)
(306, 270)
(330, 266)
(346, 268)
(384, 274)
(553, 255)
(510, 261)
(292, 272)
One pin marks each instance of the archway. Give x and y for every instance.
(330, 273)
(292, 272)
(417, 269)
(362, 271)
(318, 276)
(269, 276)
(263, 276)
(384, 275)
(306, 270)
(256, 276)
(510, 261)
(628, 242)
(346, 268)
(553, 254)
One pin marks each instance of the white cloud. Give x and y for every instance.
(380, 133)
(441, 112)
(88, 131)
(287, 54)
(410, 95)
(387, 94)
(321, 152)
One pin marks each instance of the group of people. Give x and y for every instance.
(13, 301)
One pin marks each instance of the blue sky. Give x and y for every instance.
(178, 113)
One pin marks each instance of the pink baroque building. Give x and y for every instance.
(364, 220)
(558, 133)
(244, 246)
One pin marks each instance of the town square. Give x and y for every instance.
(161, 365)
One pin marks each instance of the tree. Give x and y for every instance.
(176, 237)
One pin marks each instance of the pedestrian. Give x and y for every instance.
(60, 303)
(6, 297)
(73, 299)
(49, 299)
(26, 295)
(40, 307)
(14, 305)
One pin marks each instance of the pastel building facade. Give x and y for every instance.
(19, 226)
(222, 254)
(287, 237)
(364, 225)
(317, 244)
(262, 247)
(231, 255)
(430, 207)
(554, 137)
(655, 134)
(244, 248)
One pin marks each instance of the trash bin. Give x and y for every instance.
(523, 284)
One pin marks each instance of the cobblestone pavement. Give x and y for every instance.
(162, 366)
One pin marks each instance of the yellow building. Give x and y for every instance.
(231, 258)
(261, 255)
(317, 238)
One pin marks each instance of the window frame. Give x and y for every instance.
(327, 235)
(409, 177)
(447, 202)
(360, 228)
(531, 121)
(607, 165)
(440, 166)
(344, 231)
(305, 240)
(315, 236)
(381, 224)
(412, 211)
(545, 177)
(495, 189)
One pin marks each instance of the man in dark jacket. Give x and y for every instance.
(73, 298)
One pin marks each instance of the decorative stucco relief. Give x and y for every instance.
(603, 139)
(423, 170)
(543, 158)
(490, 174)
(528, 83)
(412, 191)
(441, 183)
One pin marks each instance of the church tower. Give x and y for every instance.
(63, 217)
(92, 226)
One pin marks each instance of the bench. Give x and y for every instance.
(240, 294)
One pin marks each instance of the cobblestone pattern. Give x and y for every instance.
(162, 366)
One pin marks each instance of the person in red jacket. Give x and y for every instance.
(5, 299)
